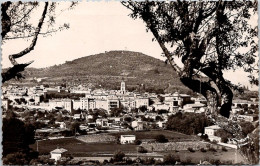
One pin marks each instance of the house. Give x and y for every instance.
(195, 108)
(161, 124)
(62, 124)
(127, 139)
(77, 116)
(56, 154)
(248, 118)
(138, 125)
(210, 131)
(102, 122)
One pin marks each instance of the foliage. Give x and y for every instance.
(187, 123)
(143, 108)
(162, 111)
(17, 23)
(161, 138)
(60, 95)
(191, 149)
(74, 127)
(115, 112)
(118, 156)
(212, 149)
(209, 37)
(17, 136)
(141, 149)
(17, 158)
(149, 161)
(224, 149)
(128, 119)
(170, 159)
(203, 150)
(247, 127)
(137, 142)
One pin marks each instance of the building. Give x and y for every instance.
(5, 104)
(123, 89)
(248, 118)
(138, 125)
(141, 101)
(210, 131)
(57, 153)
(127, 139)
(61, 104)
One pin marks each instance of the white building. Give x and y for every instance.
(141, 101)
(57, 153)
(210, 131)
(138, 125)
(123, 89)
(127, 139)
(61, 103)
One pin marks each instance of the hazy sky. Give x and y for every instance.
(95, 27)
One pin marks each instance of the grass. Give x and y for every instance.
(75, 146)
(170, 135)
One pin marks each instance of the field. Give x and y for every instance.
(198, 156)
(79, 148)
(170, 135)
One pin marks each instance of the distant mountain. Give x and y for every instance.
(108, 69)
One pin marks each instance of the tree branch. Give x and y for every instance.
(31, 47)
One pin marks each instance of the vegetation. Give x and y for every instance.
(204, 36)
(190, 123)
(191, 149)
(142, 149)
(91, 69)
(118, 156)
(17, 23)
(170, 159)
(224, 135)
(161, 138)
(60, 95)
(17, 136)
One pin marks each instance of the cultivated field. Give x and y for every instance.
(79, 148)
(170, 135)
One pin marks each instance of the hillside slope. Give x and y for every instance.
(110, 68)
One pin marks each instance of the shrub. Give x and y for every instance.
(118, 156)
(137, 142)
(224, 149)
(214, 142)
(161, 138)
(149, 161)
(203, 150)
(224, 139)
(187, 161)
(170, 159)
(191, 149)
(212, 149)
(142, 149)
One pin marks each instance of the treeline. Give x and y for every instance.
(187, 123)
(59, 95)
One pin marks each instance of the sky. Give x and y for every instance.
(95, 27)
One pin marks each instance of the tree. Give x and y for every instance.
(118, 156)
(209, 37)
(17, 136)
(74, 128)
(161, 138)
(16, 23)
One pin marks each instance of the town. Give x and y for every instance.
(72, 122)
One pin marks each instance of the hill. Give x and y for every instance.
(108, 69)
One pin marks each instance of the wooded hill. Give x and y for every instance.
(109, 69)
